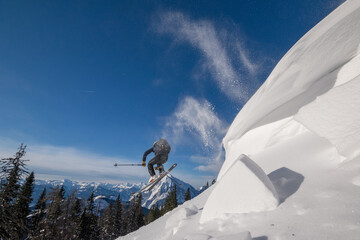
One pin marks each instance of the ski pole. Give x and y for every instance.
(127, 164)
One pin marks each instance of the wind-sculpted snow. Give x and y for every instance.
(244, 188)
(336, 117)
(309, 69)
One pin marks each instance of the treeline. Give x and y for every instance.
(56, 217)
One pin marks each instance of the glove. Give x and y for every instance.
(143, 163)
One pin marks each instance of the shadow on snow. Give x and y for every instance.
(286, 182)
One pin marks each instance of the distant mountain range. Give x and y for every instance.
(105, 192)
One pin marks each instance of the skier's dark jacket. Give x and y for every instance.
(160, 147)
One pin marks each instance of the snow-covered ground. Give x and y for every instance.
(292, 167)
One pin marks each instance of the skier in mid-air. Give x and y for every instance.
(161, 149)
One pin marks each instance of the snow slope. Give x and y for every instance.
(302, 129)
(313, 66)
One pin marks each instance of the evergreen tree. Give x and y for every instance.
(171, 200)
(187, 195)
(84, 225)
(41, 203)
(22, 209)
(90, 204)
(139, 215)
(154, 213)
(12, 169)
(93, 216)
(52, 223)
(88, 227)
(61, 194)
(213, 182)
(38, 216)
(130, 218)
(8, 164)
(108, 222)
(157, 212)
(135, 216)
(174, 197)
(75, 215)
(70, 216)
(76, 211)
(119, 228)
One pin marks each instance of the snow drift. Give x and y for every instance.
(243, 188)
(310, 69)
(336, 116)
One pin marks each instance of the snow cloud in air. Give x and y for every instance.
(198, 119)
(221, 59)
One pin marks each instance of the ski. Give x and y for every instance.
(161, 177)
(150, 186)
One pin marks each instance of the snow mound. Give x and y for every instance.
(271, 135)
(336, 117)
(180, 215)
(324, 58)
(244, 188)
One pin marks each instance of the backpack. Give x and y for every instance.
(161, 147)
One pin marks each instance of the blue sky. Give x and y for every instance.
(86, 84)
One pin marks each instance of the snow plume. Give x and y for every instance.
(243, 56)
(203, 36)
(198, 118)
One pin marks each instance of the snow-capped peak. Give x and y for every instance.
(161, 191)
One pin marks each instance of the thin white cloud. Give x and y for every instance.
(198, 119)
(52, 162)
(203, 36)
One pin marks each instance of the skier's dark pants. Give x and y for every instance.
(159, 159)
